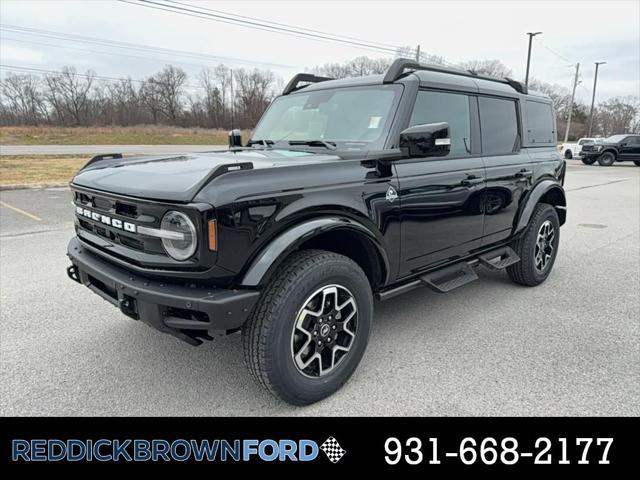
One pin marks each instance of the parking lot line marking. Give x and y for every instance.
(16, 209)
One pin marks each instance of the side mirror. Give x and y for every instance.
(426, 140)
(235, 138)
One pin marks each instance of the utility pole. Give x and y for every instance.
(232, 99)
(593, 96)
(531, 35)
(573, 94)
(418, 53)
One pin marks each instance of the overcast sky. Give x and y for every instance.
(573, 31)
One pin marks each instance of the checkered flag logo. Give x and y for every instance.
(333, 450)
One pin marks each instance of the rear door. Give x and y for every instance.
(509, 171)
(441, 197)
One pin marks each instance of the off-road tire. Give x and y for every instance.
(568, 154)
(588, 160)
(524, 272)
(606, 159)
(266, 336)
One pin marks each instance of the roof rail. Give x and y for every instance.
(292, 86)
(397, 68)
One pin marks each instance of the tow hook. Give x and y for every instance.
(72, 272)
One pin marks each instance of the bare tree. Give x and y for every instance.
(169, 83)
(68, 93)
(618, 115)
(491, 68)
(213, 98)
(24, 99)
(357, 67)
(253, 92)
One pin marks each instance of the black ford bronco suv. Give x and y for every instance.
(348, 190)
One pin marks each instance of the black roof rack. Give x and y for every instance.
(397, 68)
(292, 86)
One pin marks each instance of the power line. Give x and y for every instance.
(234, 15)
(264, 26)
(131, 46)
(118, 54)
(235, 19)
(42, 71)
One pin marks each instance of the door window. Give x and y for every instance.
(498, 126)
(453, 108)
(540, 122)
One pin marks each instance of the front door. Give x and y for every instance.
(441, 197)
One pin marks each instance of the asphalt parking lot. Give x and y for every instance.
(568, 347)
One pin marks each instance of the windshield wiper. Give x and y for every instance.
(315, 143)
(266, 143)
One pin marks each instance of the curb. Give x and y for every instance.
(32, 186)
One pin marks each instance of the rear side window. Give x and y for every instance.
(498, 125)
(540, 123)
(453, 108)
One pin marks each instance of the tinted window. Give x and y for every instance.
(633, 140)
(540, 123)
(498, 125)
(435, 107)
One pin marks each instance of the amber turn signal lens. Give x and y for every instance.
(213, 236)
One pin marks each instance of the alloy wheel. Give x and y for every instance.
(324, 330)
(544, 249)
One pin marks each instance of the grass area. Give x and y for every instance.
(21, 169)
(139, 135)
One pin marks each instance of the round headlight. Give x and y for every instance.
(184, 245)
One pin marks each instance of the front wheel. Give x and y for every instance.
(310, 328)
(537, 247)
(588, 160)
(606, 159)
(568, 154)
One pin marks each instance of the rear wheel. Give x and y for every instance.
(310, 328)
(606, 159)
(537, 247)
(588, 160)
(568, 154)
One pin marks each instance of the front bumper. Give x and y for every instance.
(588, 154)
(188, 312)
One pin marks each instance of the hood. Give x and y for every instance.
(179, 178)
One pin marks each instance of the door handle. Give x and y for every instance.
(471, 180)
(524, 173)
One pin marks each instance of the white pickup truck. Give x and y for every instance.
(572, 150)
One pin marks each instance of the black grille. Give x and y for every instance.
(130, 246)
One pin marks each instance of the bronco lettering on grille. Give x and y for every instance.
(114, 222)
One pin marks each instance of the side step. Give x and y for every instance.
(447, 279)
(499, 259)
(456, 275)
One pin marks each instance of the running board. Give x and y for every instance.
(450, 278)
(456, 275)
(499, 259)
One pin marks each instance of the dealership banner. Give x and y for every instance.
(388, 444)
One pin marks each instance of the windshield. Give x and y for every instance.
(349, 118)
(615, 138)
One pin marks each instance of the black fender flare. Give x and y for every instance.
(281, 246)
(609, 150)
(539, 191)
